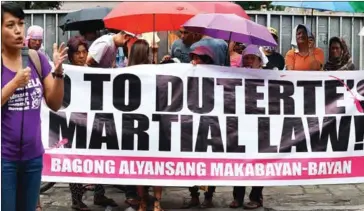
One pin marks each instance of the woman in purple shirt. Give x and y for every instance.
(22, 90)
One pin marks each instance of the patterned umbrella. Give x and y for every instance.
(342, 6)
(337, 6)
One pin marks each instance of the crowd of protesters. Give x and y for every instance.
(21, 164)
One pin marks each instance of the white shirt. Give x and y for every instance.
(103, 50)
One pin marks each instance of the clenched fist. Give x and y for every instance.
(22, 77)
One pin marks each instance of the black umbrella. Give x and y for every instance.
(89, 19)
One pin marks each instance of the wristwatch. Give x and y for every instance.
(58, 75)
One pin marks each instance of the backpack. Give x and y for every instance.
(34, 57)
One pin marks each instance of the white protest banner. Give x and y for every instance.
(184, 125)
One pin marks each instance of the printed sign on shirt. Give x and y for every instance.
(23, 100)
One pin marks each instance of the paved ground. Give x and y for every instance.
(292, 198)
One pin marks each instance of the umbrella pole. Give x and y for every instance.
(228, 52)
(153, 51)
(312, 20)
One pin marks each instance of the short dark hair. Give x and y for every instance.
(204, 58)
(14, 9)
(73, 44)
(300, 26)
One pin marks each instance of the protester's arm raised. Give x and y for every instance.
(54, 86)
(317, 59)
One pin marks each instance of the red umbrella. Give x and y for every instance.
(140, 17)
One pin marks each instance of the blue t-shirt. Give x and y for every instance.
(120, 57)
(219, 47)
(181, 51)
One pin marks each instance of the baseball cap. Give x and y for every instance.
(129, 33)
(273, 31)
(203, 50)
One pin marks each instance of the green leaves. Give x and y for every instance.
(33, 5)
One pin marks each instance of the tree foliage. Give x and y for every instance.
(252, 5)
(34, 5)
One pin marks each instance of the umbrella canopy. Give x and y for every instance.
(140, 17)
(221, 8)
(90, 18)
(230, 27)
(361, 33)
(358, 6)
(341, 6)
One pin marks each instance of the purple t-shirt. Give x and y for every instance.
(12, 115)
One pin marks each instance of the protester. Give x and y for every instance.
(311, 41)
(77, 50)
(201, 55)
(275, 59)
(239, 47)
(102, 52)
(131, 194)
(21, 143)
(339, 56)
(235, 58)
(182, 47)
(303, 57)
(120, 58)
(153, 39)
(127, 49)
(34, 39)
(77, 55)
(140, 54)
(253, 58)
(218, 46)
